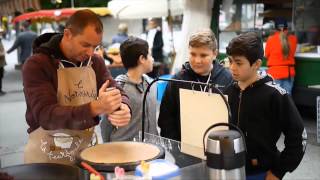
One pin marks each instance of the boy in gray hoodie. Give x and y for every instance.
(138, 61)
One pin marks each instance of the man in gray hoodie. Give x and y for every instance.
(137, 59)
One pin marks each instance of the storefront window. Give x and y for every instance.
(307, 24)
(238, 16)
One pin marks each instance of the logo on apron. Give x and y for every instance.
(76, 86)
(61, 147)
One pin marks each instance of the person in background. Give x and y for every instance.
(122, 34)
(155, 41)
(47, 28)
(113, 56)
(60, 28)
(202, 67)
(2, 63)
(112, 59)
(263, 111)
(24, 42)
(67, 87)
(280, 51)
(138, 61)
(5, 27)
(101, 52)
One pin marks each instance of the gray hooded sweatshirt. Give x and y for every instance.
(135, 93)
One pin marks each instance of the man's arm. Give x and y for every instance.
(103, 74)
(41, 98)
(120, 112)
(15, 45)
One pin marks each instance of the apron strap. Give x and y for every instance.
(89, 61)
(88, 64)
(61, 65)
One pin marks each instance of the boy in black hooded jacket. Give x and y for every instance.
(263, 110)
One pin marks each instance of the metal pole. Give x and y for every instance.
(72, 3)
(254, 16)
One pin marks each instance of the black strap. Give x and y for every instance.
(221, 161)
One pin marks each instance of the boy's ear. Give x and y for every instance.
(258, 64)
(141, 59)
(215, 53)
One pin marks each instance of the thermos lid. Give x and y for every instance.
(225, 150)
(227, 142)
(224, 134)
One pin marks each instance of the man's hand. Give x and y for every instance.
(120, 117)
(109, 100)
(271, 176)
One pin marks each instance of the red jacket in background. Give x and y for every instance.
(278, 66)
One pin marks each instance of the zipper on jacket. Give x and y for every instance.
(239, 108)
(240, 98)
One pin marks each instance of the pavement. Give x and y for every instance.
(13, 127)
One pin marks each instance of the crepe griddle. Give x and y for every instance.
(125, 154)
(40, 171)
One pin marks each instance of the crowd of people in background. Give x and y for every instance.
(279, 51)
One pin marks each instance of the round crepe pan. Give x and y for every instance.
(128, 166)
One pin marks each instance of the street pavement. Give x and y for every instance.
(13, 127)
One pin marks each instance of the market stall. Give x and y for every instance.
(57, 14)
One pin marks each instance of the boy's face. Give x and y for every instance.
(147, 63)
(241, 69)
(201, 58)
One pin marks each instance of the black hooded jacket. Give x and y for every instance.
(169, 117)
(263, 111)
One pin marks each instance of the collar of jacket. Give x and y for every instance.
(262, 80)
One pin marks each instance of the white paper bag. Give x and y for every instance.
(198, 111)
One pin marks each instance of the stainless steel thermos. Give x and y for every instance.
(225, 151)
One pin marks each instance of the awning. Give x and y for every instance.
(137, 9)
(57, 14)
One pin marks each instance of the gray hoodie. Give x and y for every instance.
(135, 93)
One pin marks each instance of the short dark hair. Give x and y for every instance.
(81, 19)
(26, 24)
(248, 45)
(131, 49)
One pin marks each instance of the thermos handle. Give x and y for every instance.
(223, 124)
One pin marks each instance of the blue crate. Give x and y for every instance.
(161, 86)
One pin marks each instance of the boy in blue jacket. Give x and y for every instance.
(263, 110)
